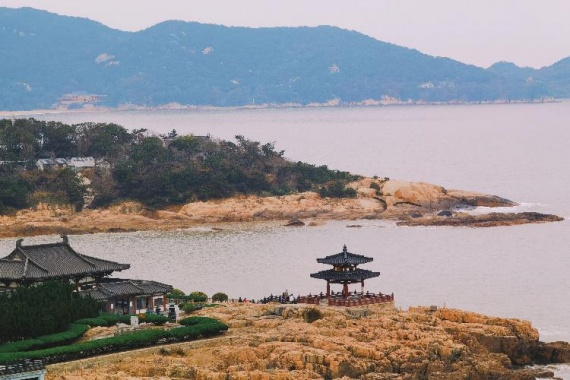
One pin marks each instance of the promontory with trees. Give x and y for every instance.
(172, 181)
(155, 170)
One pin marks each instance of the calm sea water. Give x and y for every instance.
(521, 152)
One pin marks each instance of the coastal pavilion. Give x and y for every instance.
(345, 271)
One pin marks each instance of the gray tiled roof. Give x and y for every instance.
(110, 288)
(345, 258)
(57, 260)
(345, 276)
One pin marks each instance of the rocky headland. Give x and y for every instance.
(408, 203)
(376, 342)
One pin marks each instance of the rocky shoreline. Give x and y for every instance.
(407, 203)
(376, 342)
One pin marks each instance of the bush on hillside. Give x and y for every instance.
(337, 189)
(220, 297)
(198, 296)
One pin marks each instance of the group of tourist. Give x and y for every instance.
(284, 298)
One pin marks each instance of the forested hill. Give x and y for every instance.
(137, 165)
(47, 59)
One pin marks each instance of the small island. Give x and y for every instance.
(94, 177)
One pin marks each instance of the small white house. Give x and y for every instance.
(82, 162)
(48, 163)
(76, 163)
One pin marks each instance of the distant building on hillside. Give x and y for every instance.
(49, 163)
(82, 162)
(77, 163)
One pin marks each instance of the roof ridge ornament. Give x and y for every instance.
(19, 243)
(344, 251)
(65, 238)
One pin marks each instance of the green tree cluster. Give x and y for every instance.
(43, 309)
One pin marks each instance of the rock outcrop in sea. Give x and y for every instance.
(408, 203)
(306, 342)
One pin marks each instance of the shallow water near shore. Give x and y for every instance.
(518, 152)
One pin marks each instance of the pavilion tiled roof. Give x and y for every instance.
(355, 275)
(56, 260)
(110, 288)
(345, 258)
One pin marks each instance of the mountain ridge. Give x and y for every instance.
(46, 57)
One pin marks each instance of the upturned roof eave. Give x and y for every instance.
(340, 260)
(332, 276)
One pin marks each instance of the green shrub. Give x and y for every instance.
(110, 318)
(92, 322)
(188, 308)
(125, 319)
(138, 339)
(194, 296)
(337, 189)
(177, 293)
(144, 318)
(198, 296)
(191, 321)
(155, 319)
(220, 297)
(74, 331)
(375, 186)
(312, 314)
(58, 306)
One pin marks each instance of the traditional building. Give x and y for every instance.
(130, 296)
(345, 271)
(23, 370)
(29, 264)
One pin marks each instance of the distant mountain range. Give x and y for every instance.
(47, 60)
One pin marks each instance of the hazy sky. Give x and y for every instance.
(532, 33)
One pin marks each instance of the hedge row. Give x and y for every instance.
(93, 322)
(74, 331)
(191, 321)
(138, 339)
(110, 320)
(194, 296)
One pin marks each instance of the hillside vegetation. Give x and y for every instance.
(155, 170)
(48, 60)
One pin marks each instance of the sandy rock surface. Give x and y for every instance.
(410, 203)
(378, 342)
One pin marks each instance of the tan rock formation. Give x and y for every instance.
(409, 202)
(276, 342)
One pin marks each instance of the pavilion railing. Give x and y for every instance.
(358, 299)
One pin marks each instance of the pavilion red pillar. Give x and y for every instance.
(345, 290)
(328, 289)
